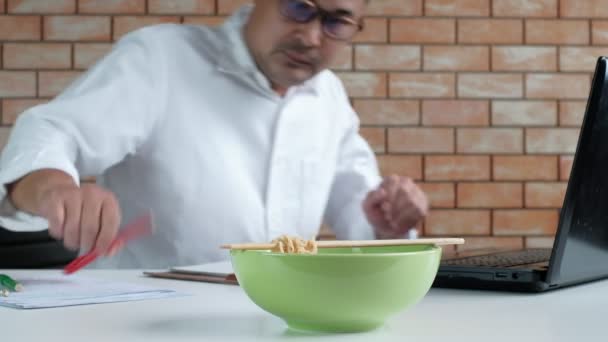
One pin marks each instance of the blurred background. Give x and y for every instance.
(479, 101)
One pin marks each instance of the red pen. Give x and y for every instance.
(139, 227)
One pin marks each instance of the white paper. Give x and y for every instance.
(220, 268)
(61, 290)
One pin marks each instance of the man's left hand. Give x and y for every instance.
(395, 207)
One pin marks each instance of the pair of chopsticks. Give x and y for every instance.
(354, 243)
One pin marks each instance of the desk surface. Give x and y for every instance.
(224, 313)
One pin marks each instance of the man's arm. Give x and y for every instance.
(26, 193)
(83, 217)
(103, 116)
(356, 174)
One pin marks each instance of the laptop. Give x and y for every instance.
(580, 249)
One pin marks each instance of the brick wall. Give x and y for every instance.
(480, 101)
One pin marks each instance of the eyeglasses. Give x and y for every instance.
(335, 25)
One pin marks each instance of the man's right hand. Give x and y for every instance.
(85, 217)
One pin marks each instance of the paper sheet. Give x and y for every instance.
(60, 290)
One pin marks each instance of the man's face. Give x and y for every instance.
(291, 43)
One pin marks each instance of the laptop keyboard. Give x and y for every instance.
(506, 259)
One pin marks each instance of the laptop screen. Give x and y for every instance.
(581, 246)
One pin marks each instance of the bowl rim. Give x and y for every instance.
(433, 249)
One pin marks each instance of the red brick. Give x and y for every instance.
(545, 195)
(493, 243)
(489, 140)
(447, 250)
(457, 222)
(558, 32)
(599, 32)
(375, 30)
(571, 113)
(364, 84)
(395, 7)
(524, 58)
(557, 86)
(344, 59)
(52, 83)
(539, 241)
(29, 27)
(12, 108)
(40, 6)
(489, 195)
(524, 8)
(17, 84)
(422, 85)
(181, 6)
(85, 55)
(490, 85)
(521, 168)
(565, 166)
(457, 168)
(440, 195)
(457, 8)
(490, 31)
(387, 57)
(551, 140)
(204, 20)
(37, 56)
(580, 58)
(112, 6)
(226, 7)
(388, 112)
(92, 28)
(375, 137)
(126, 24)
(410, 166)
(455, 113)
(421, 30)
(524, 113)
(583, 9)
(456, 58)
(421, 140)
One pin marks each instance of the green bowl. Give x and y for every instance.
(338, 289)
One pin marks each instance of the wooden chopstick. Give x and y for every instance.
(354, 243)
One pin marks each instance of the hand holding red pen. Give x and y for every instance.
(85, 217)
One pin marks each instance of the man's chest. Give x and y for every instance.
(229, 120)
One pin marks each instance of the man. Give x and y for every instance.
(232, 134)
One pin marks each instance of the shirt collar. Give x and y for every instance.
(235, 57)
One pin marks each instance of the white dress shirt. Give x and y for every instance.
(177, 119)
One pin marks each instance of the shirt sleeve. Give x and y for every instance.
(356, 174)
(95, 123)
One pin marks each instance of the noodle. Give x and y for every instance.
(294, 245)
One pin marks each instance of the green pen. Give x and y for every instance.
(10, 283)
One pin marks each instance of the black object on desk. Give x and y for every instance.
(32, 250)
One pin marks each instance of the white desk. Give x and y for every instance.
(225, 313)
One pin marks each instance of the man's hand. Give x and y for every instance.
(395, 207)
(85, 217)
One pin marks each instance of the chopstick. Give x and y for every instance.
(354, 243)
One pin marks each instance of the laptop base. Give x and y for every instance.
(496, 279)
